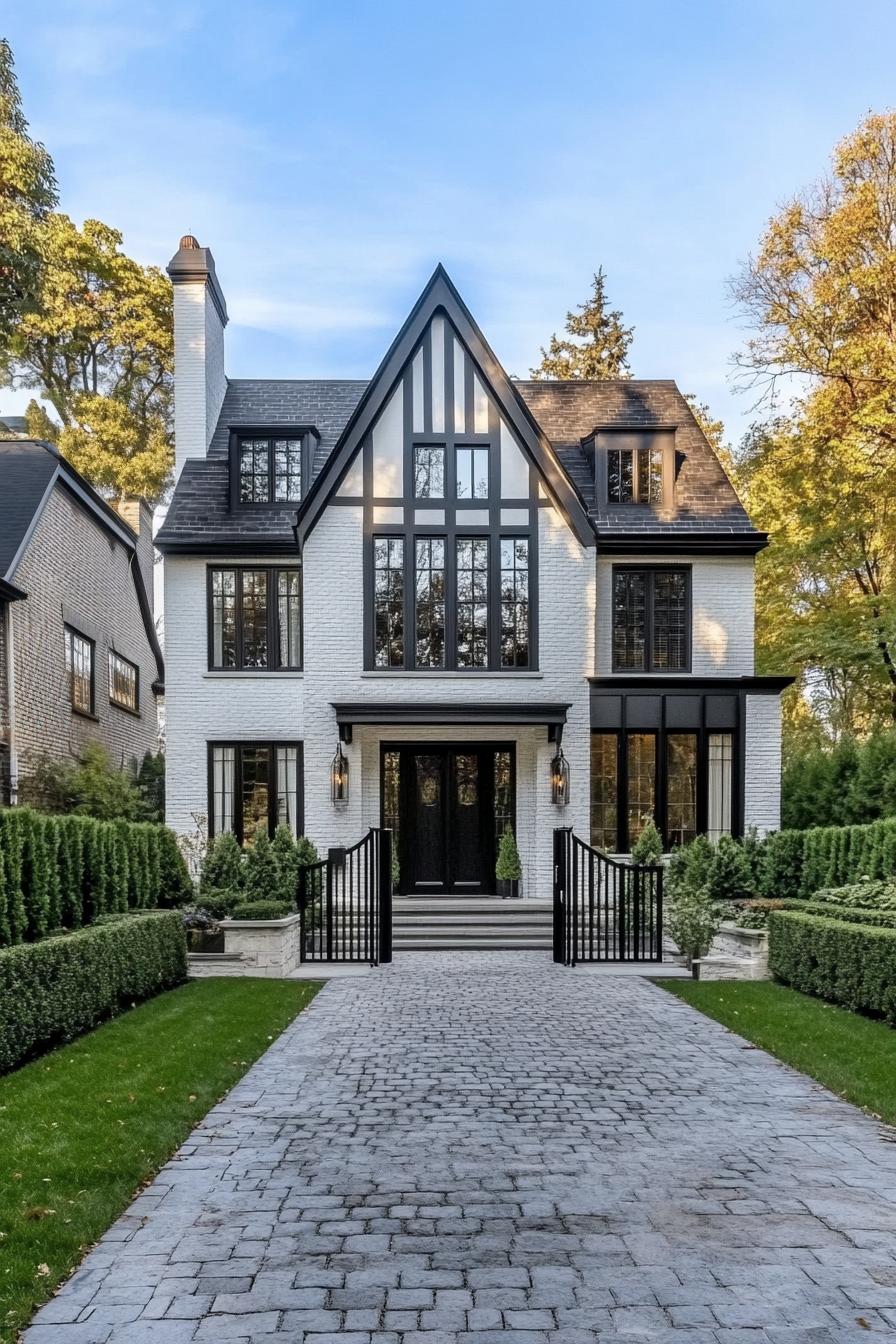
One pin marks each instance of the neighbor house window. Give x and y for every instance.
(269, 470)
(635, 475)
(254, 786)
(123, 677)
(79, 666)
(682, 780)
(651, 619)
(255, 618)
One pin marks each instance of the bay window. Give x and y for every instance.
(254, 786)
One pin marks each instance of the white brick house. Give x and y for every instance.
(449, 577)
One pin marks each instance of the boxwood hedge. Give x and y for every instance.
(56, 989)
(61, 872)
(853, 964)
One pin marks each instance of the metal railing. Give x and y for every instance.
(604, 909)
(346, 903)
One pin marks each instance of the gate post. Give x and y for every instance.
(302, 901)
(384, 884)
(560, 895)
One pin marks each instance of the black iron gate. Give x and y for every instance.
(604, 910)
(346, 903)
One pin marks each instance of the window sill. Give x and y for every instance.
(85, 714)
(255, 674)
(473, 674)
(126, 709)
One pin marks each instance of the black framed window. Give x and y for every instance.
(388, 588)
(80, 669)
(651, 619)
(269, 468)
(123, 682)
(514, 601)
(429, 471)
(472, 571)
(255, 618)
(254, 786)
(429, 601)
(471, 472)
(635, 475)
(683, 780)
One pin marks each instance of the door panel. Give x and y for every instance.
(447, 820)
(465, 850)
(428, 791)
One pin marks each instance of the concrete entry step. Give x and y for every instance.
(472, 942)
(463, 923)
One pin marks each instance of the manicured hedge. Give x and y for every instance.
(56, 989)
(799, 863)
(882, 919)
(847, 963)
(61, 872)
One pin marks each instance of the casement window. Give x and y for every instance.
(651, 619)
(389, 597)
(471, 472)
(255, 618)
(471, 601)
(514, 602)
(429, 601)
(634, 475)
(79, 666)
(123, 683)
(683, 780)
(268, 469)
(254, 786)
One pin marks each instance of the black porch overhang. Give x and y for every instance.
(465, 713)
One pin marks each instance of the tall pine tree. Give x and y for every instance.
(596, 344)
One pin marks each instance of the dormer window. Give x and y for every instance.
(269, 467)
(633, 466)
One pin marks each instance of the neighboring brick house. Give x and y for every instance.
(79, 658)
(442, 577)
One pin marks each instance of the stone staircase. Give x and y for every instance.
(441, 923)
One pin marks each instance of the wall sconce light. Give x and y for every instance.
(559, 779)
(339, 779)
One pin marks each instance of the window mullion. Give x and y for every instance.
(272, 614)
(648, 620)
(238, 609)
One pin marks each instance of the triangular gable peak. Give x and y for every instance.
(441, 384)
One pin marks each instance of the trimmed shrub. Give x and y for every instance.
(222, 866)
(868, 895)
(221, 902)
(286, 855)
(851, 964)
(175, 885)
(648, 848)
(508, 867)
(729, 877)
(262, 871)
(57, 989)
(883, 919)
(263, 910)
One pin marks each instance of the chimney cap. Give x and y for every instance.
(194, 264)
(189, 242)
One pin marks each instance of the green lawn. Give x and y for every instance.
(83, 1128)
(854, 1056)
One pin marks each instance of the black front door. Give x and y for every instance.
(447, 823)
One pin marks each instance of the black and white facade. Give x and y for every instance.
(442, 578)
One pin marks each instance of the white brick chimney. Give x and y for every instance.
(200, 316)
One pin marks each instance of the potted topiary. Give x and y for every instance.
(508, 869)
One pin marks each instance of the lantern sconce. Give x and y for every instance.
(339, 779)
(559, 779)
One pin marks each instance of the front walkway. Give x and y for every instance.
(483, 1148)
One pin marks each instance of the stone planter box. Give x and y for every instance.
(735, 954)
(269, 947)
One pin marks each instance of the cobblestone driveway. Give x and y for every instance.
(486, 1149)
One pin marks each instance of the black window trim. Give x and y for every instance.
(271, 745)
(309, 437)
(272, 572)
(127, 709)
(599, 444)
(652, 570)
(69, 631)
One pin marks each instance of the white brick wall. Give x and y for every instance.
(722, 607)
(762, 750)
(199, 370)
(203, 705)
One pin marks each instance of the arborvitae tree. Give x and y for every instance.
(53, 839)
(153, 874)
(306, 852)
(286, 853)
(596, 345)
(222, 867)
(175, 886)
(35, 875)
(71, 872)
(262, 879)
(729, 877)
(27, 194)
(151, 786)
(11, 842)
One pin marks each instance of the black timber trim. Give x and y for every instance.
(551, 716)
(702, 543)
(10, 593)
(655, 683)
(271, 744)
(441, 295)
(651, 572)
(271, 615)
(304, 432)
(232, 546)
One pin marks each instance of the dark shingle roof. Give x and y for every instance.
(566, 412)
(26, 469)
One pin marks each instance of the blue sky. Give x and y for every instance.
(331, 154)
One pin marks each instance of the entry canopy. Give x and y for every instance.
(464, 713)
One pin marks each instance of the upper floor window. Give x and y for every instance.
(79, 666)
(268, 469)
(123, 682)
(651, 619)
(255, 618)
(635, 475)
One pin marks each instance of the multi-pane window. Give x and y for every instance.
(388, 601)
(681, 789)
(471, 568)
(604, 820)
(514, 602)
(720, 751)
(635, 475)
(641, 782)
(471, 473)
(122, 682)
(429, 601)
(79, 666)
(255, 618)
(429, 471)
(651, 620)
(270, 470)
(254, 787)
